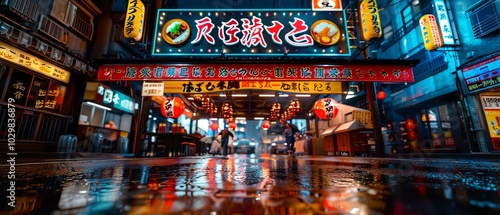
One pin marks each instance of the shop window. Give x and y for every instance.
(116, 118)
(19, 86)
(38, 93)
(55, 97)
(4, 72)
(437, 130)
(69, 13)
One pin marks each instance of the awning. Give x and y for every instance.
(349, 126)
(329, 131)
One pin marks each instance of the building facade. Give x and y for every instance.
(44, 64)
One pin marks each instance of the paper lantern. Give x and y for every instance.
(381, 95)
(412, 135)
(326, 108)
(172, 107)
(232, 125)
(265, 124)
(214, 126)
(410, 124)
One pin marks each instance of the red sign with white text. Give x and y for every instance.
(242, 72)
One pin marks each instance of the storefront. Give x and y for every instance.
(480, 81)
(107, 113)
(39, 91)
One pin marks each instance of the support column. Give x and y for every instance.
(141, 126)
(374, 110)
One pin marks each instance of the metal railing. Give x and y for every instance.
(33, 125)
(26, 8)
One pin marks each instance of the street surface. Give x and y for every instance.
(248, 184)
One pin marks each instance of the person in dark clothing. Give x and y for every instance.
(225, 139)
(290, 139)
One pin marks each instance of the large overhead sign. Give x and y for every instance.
(250, 33)
(255, 72)
(313, 87)
(483, 75)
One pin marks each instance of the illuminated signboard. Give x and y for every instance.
(491, 107)
(444, 22)
(255, 72)
(326, 5)
(482, 75)
(430, 32)
(283, 86)
(250, 33)
(115, 99)
(134, 20)
(38, 65)
(370, 20)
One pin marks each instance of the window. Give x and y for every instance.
(407, 17)
(484, 18)
(73, 16)
(4, 72)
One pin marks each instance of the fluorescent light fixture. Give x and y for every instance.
(98, 106)
(222, 95)
(266, 95)
(283, 95)
(349, 96)
(154, 118)
(258, 118)
(240, 118)
(187, 110)
(239, 95)
(303, 95)
(213, 119)
(190, 98)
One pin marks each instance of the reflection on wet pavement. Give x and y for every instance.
(250, 185)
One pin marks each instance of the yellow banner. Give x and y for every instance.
(370, 20)
(134, 20)
(309, 87)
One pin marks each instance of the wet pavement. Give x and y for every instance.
(245, 184)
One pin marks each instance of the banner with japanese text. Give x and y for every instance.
(255, 72)
(209, 33)
(282, 86)
(491, 107)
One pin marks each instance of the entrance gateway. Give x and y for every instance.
(240, 39)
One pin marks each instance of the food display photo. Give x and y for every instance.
(175, 31)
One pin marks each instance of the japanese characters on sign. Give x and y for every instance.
(482, 75)
(491, 107)
(134, 20)
(444, 22)
(55, 97)
(38, 93)
(370, 20)
(152, 88)
(250, 33)
(326, 5)
(256, 72)
(430, 32)
(283, 86)
(115, 99)
(18, 87)
(26, 60)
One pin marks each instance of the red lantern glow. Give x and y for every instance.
(412, 135)
(214, 126)
(265, 124)
(232, 125)
(410, 124)
(381, 95)
(326, 108)
(172, 107)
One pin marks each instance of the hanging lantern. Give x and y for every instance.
(294, 105)
(412, 135)
(214, 126)
(326, 108)
(232, 125)
(410, 124)
(381, 95)
(172, 107)
(265, 125)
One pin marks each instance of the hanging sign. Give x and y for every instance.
(31, 62)
(255, 72)
(430, 32)
(134, 21)
(284, 86)
(114, 99)
(236, 32)
(152, 88)
(370, 20)
(326, 5)
(483, 75)
(444, 22)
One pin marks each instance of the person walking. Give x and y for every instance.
(290, 139)
(225, 134)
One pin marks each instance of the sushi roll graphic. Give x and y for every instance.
(176, 31)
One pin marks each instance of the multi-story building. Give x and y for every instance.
(44, 64)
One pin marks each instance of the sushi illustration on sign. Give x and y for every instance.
(176, 31)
